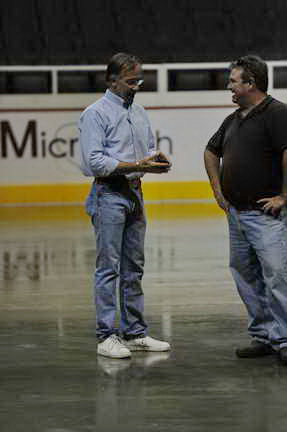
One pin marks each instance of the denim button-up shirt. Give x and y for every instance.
(111, 133)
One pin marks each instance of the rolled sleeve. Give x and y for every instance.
(92, 141)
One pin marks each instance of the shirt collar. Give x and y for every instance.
(264, 103)
(114, 98)
(258, 108)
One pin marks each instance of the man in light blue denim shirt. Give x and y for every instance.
(117, 148)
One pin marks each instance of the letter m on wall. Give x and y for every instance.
(8, 137)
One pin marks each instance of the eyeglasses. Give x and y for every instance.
(134, 82)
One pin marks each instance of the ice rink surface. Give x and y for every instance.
(51, 379)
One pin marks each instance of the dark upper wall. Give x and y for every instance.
(35, 32)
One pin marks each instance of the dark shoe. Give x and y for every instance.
(283, 355)
(255, 349)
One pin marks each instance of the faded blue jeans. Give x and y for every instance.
(91, 201)
(119, 220)
(258, 262)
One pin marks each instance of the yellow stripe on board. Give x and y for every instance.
(76, 193)
(43, 193)
(71, 213)
(177, 190)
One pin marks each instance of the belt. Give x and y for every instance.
(250, 207)
(119, 180)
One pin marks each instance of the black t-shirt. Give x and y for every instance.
(251, 151)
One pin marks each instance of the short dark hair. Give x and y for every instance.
(253, 68)
(119, 62)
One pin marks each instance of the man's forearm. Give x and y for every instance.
(212, 166)
(126, 168)
(146, 165)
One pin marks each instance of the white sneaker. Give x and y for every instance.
(113, 347)
(146, 343)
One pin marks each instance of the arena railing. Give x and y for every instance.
(161, 78)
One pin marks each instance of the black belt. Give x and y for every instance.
(248, 207)
(119, 180)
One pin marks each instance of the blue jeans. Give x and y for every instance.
(91, 201)
(120, 224)
(258, 262)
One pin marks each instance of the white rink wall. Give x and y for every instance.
(39, 143)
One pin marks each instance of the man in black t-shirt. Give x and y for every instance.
(246, 161)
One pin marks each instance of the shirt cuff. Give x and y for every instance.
(111, 166)
(152, 152)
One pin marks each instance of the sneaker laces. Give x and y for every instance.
(116, 341)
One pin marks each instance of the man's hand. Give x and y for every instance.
(273, 205)
(161, 157)
(156, 164)
(221, 201)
